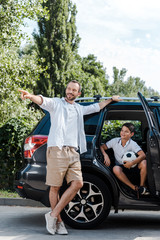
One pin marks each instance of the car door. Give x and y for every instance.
(153, 148)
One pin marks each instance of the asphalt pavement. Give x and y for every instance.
(28, 223)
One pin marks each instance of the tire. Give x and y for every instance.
(90, 206)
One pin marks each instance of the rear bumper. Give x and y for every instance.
(26, 191)
(30, 183)
(20, 190)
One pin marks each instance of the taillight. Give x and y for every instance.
(32, 143)
(20, 187)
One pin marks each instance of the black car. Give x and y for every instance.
(102, 190)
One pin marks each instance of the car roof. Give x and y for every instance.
(153, 101)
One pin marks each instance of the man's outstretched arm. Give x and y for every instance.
(34, 98)
(108, 101)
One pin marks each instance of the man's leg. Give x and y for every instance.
(54, 222)
(70, 167)
(122, 177)
(74, 177)
(54, 198)
(67, 196)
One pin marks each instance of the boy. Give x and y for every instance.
(121, 145)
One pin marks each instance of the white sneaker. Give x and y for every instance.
(61, 229)
(50, 223)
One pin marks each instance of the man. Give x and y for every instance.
(65, 136)
(120, 146)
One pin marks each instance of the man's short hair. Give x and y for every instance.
(75, 81)
(130, 126)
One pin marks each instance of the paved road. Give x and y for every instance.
(27, 223)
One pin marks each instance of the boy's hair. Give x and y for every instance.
(130, 126)
(75, 81)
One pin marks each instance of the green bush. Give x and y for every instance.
(112, 128)
(12, 134)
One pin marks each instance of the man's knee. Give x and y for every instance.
(77, 184)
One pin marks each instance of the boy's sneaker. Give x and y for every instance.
(143, 191)
(50, 223)
(61, 229)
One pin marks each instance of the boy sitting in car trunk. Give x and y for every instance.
(120, 146)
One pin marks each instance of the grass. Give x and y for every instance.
(8, 194)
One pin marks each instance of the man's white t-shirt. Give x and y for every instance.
(71, 133)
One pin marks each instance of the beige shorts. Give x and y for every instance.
(62, 163)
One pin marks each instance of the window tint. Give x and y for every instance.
(90, 123)
(112, 128)
(46, 127)
(43, 126)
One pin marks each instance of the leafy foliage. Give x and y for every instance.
(11, 137)
(57, 43)
(129, 87)
(91, 74)
(96, 77)
(111, 129)
(12, 13)
(16, 71)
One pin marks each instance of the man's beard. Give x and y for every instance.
(71, 98)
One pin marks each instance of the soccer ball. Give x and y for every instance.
(129, 156)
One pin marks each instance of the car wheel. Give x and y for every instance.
(90, 206)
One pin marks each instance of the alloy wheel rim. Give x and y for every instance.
(87, 205)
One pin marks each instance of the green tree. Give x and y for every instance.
(133, 85)
(13, 13)
(129, 87)
(16, 71)
(57, 43)
(96, 80)
(91, 74)
(118, 81)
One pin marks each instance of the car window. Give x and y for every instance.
(43, 126)
(90, 123)
(46, 127)
(157, 116)
(112, 128)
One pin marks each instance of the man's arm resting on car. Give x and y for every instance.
(108, 101)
